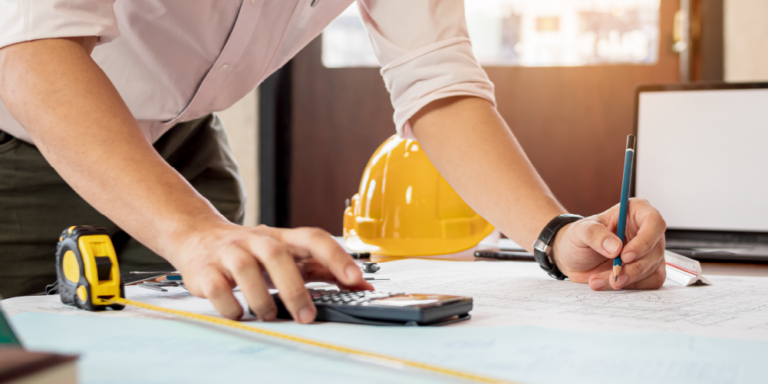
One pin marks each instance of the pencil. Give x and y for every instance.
(621, 230)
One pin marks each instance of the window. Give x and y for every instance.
(528, 33)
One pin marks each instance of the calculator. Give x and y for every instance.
(385, 308)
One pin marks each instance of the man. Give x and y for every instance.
(108, 121)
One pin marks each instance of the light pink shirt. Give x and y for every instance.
(178, 60)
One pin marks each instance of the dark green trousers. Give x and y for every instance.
(36, 204)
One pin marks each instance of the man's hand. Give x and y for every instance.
(260, 258)
(585, 250)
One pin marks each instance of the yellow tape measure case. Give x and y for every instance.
(87, 269)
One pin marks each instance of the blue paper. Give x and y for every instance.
(119, 350)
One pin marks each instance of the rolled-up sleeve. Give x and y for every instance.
(26, 20)
(425, 53)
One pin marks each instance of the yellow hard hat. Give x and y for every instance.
(406, 208)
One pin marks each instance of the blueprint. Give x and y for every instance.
(519, 293)
(525, 328)
(133, 350)
(118, 350)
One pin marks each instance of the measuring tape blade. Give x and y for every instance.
(366, 356)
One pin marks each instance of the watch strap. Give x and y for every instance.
(542, 247)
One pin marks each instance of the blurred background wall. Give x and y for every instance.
(746, 40)
(241, 122)
(303, 138)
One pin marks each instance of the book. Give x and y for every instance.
(18, 366)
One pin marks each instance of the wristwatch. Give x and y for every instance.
(542, 246)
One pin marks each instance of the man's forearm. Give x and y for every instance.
(81, 125)
(472, 147)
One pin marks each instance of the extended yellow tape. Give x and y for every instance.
(387, 360)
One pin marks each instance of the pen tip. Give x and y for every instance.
(616, 278)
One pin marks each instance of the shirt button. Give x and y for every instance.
(223, 67)
(253, 1)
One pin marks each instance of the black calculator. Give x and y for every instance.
(385, 308)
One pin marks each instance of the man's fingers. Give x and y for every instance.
(325, 250)
(216, 288)
(633, 275)
(651, 228)
(281, 266)
(599, 281)
(597, 236)
(248, 275)
(640, 269)
(314, 271)
(633, 272)
(654, 281)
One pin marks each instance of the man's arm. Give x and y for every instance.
(437, 86)
(81, 125)
(472, 147)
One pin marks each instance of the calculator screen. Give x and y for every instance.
(415, 300)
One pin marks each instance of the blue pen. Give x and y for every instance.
(621, 231)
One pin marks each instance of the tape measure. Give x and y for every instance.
(89, 278)
(87, 270)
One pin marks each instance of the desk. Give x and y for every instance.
(526, 327)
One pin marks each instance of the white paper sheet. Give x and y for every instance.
(519, 293)
(175, 298)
